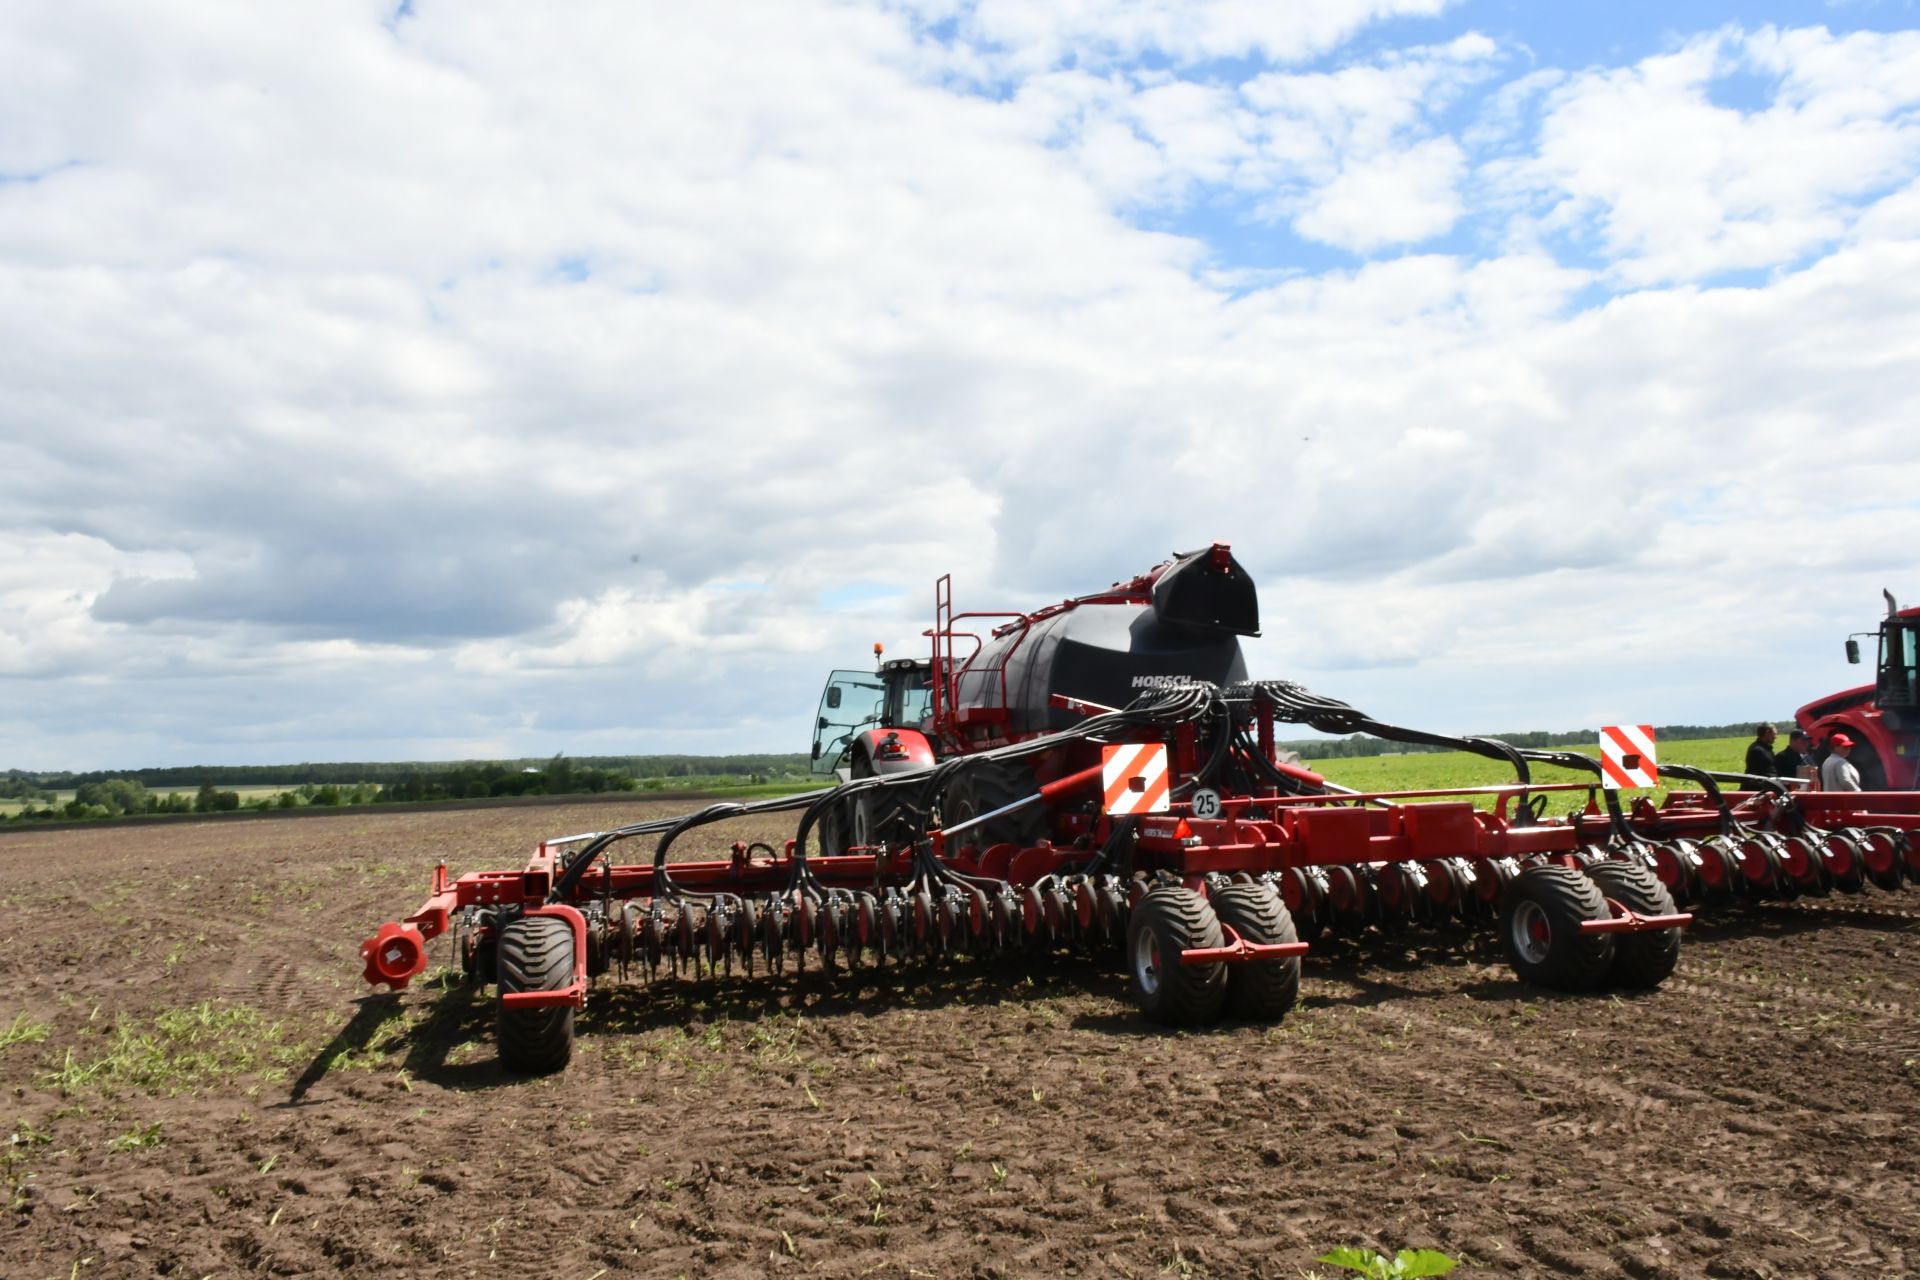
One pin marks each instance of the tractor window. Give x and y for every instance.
(1900, 666)
(853, 700)
(915, 706)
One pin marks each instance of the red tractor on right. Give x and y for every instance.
(1882, 718)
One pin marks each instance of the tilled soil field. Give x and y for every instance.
(198, 1085)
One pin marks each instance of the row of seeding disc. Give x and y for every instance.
(1775, 866)
(855, 928)
(1750, 865)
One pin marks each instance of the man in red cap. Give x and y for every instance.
(1837, 773)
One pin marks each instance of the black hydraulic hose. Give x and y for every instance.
(577, 865)
(662, 878)
(1250, 752)
(1222, 742)
(1122, 831)
(1295, 704)
(1161, 709)
(1709, 779)
(1616, 819)
(1564, 760)
(1705, 777)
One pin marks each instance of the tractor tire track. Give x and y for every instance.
(1708, 979)
(1821, 1230)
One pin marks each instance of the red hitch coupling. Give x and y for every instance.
(395, 955)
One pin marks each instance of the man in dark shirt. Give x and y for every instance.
(1787, 763)
(1760, 752)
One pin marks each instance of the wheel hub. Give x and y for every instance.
(1146, 962)
(1532, 934)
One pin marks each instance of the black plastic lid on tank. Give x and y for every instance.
(1113, 653)
(1208, 589)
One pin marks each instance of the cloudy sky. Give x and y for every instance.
(461, 379)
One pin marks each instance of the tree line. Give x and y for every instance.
(122, 797)
(19, 784)
(107, 794)
(1364, 744)
(159, 791)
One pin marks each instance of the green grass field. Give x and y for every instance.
(1462, 769)
(1366, 773)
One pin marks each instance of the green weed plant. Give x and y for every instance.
(1407, 1264)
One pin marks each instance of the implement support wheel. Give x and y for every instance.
(1262, 989)
(535, 954)
(1168, 920)
(1540, 925)
(1639, 959)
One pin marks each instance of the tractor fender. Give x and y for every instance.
(1886, 756)
(890, 751)
(1834, 704)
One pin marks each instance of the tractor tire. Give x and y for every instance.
(1540, 925)
(1873, 771)
(883, 816)
(535, 954)
(1640, 960)
(1261, 990)
(833, 833)
(1168, 920)
(986, 786)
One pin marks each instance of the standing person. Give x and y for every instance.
(1838, 774)
(1787, 763)
(1760, 751)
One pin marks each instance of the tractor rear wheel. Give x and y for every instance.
(986, 786)
(1259, 989)
(535, 954)
(1171, 919)
(1642, 960)
(1540, 925)
(1873, 772)
(883, 815)
(833, 833)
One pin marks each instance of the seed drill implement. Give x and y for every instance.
(1102, 776)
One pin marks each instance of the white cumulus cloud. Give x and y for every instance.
(468, 381)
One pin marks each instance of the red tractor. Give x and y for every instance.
(1882, 718)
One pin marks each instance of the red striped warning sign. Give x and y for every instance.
(1627, 758)
(1135, 778)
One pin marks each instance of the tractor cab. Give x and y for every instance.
(1897, 685)
(1882, 718)
(898, 695)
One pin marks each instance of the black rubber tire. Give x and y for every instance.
(832, 835)
(1168, 920)
(986, 786)
(1557, 899)
(1873, 773)
(883, 815)
(535, 954)
(1262, 990)
(1640, 960)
